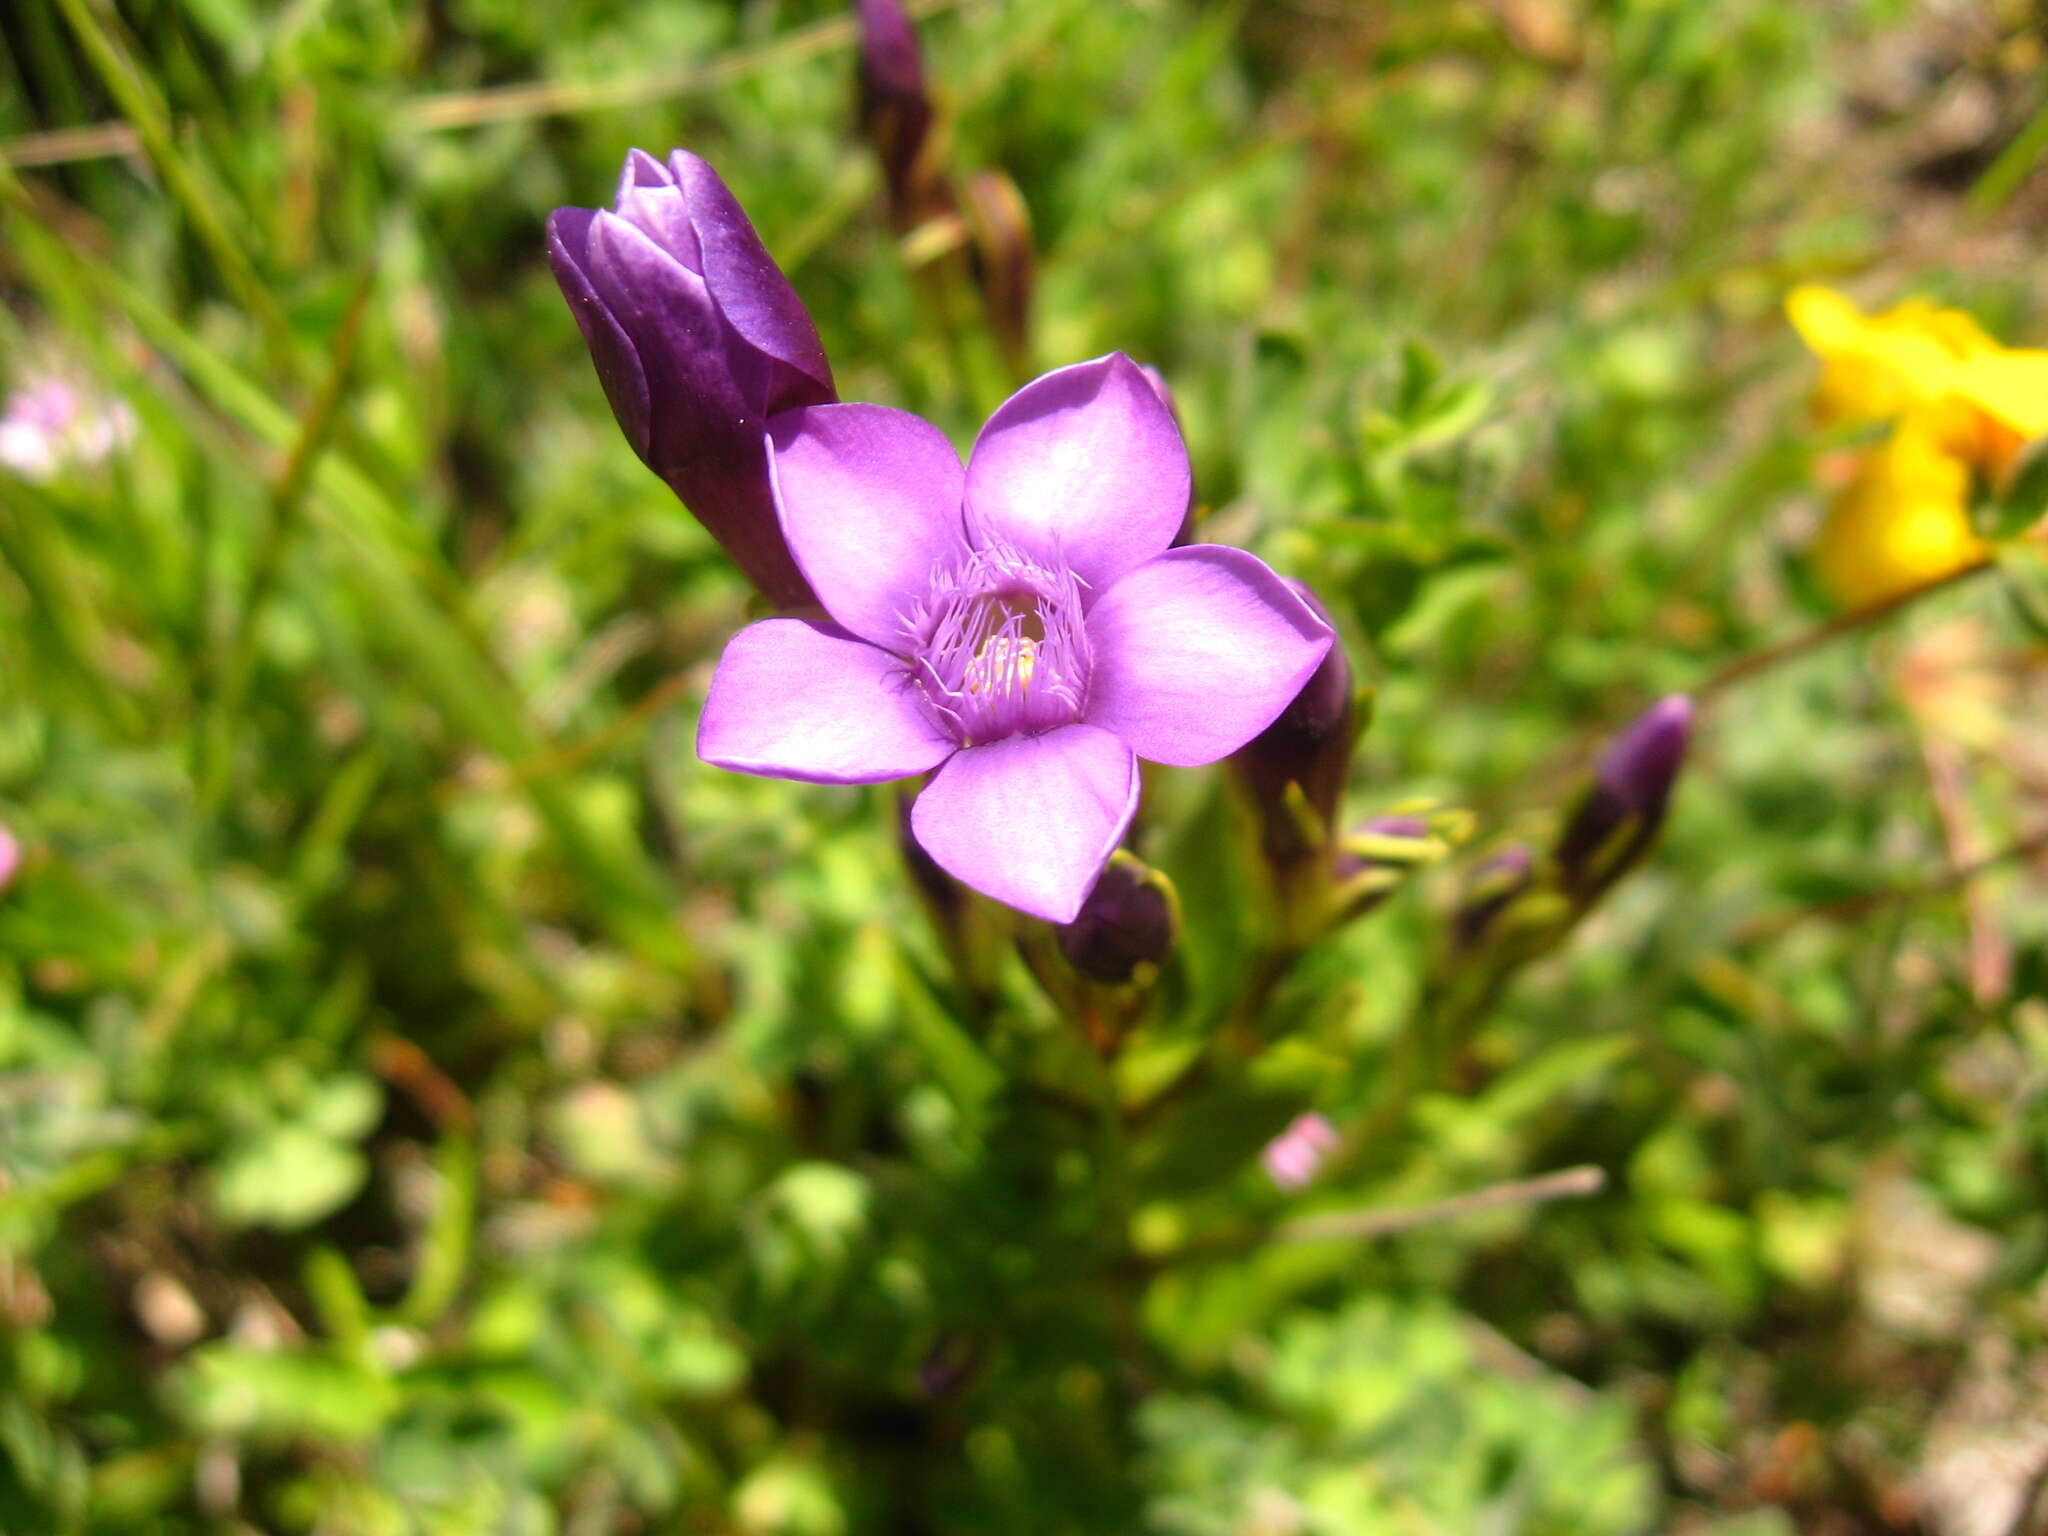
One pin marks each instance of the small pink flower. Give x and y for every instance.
(1292, 1157)
(48, 424)
(10, 857)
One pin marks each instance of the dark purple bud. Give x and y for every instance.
(1164, 391)
(1377, 857)
(1495, 881)
(895, 108)
(949, 1365)
(1005, 261)
(1127, 926)
(1309, 745)
(1614, 823)
(698, 339)
(946, 896)
(1382, 842)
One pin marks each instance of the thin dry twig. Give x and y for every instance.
(1565, 1184)
(1745, 667)
(1369, 1225)
(442, 111)
(1762, 929)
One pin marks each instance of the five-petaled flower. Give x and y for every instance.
(1020, 625)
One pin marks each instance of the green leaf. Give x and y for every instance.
(1212, 1136)
(2023, 500)
(287, 1177)
(2023, 566)
(224, 1389)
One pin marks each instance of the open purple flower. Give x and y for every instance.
(1019, 625)
(698, 339)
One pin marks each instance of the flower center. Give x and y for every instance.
(998, 647)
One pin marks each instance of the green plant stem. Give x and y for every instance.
(145, 111)
(285, 504)
(2015, 163)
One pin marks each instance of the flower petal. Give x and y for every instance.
(1031, 820)
(870, 502)
(618, 365)
(649, 199)
(700, 379)
(1197, 651)
(796, 700)
(1083, 466)
(747, 283)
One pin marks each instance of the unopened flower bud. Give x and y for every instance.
(1307, 746)
(896, 109)
(1495, 882)
(1294, 1157)
(1386, 842)
(698, 339)
(950, 1364)
(1165, 392)
(1619, 816)
(1127, 926)
(946, 896)
(1005, 260)
(1376, 856)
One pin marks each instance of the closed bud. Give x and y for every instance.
(698, 340)
(1294, 770)
(896, 110)
(1614, 824)
(945, 896)
(1493, 885)
(1376, 856)
(1005, 261)
(1127, 926)
(1164, 391)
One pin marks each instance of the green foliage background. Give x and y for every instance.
(432, 1101)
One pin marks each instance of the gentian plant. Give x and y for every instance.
(1018, 624)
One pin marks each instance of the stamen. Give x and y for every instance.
(999, 647)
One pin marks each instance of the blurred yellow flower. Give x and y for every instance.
(1876, 367)
(1903, 520)
(1982, 401)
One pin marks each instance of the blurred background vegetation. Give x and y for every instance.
(431, 1101)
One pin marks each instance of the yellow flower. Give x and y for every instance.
(1982, 401)
(1904, 519)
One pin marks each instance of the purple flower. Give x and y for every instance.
(698, 339)
(1613, 825)
(1018, 625)
(1293, 1157)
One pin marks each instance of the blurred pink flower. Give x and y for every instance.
(49, 423)
(1292, 1157)
(10, 857)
